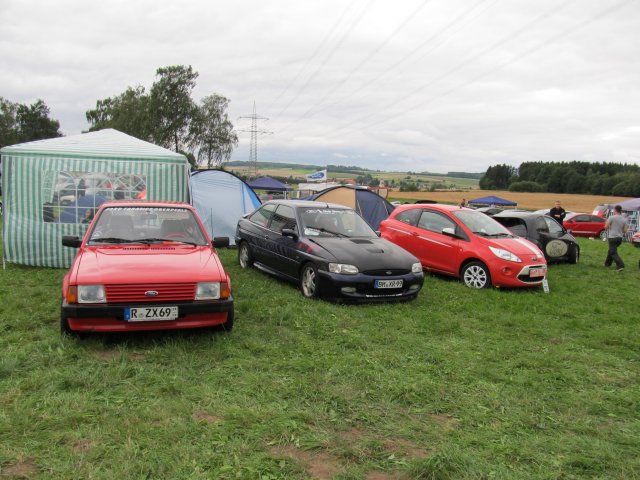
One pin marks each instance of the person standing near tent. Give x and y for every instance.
(616, 226)
(557, 212)
(463, 203)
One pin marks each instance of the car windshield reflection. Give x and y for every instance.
(334, 222)
(481, 224)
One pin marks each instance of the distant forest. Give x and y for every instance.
(565, 177)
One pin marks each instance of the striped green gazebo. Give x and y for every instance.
(52, 187)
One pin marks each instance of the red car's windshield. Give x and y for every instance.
(146, 225)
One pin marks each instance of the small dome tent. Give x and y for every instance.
(52, 187)
(371, 206)
(221, 199)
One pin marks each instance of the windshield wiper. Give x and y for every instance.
(337, 234)
(110, 240)
(499, 235)
(482, 234)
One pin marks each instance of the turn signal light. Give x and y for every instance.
(72, 294)
(225, 291)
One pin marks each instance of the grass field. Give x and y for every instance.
(528, 201)
(459, 384)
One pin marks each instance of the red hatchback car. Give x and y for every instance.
(585, 225)
(145, 266)
(465, 244)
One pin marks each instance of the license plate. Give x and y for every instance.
(150, 314)
(388, 284)
(536, 272)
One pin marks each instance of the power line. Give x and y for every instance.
(328, 57)
(389, 37)
(460, 65)
(314, 54)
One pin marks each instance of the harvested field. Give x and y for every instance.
(528, 201)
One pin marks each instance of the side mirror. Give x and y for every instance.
(220, 242)
(288, 232)
(71, 241)
(449, 232)
(378, 233)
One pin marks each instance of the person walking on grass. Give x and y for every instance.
(616, 226)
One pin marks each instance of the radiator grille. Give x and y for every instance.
(127, 293)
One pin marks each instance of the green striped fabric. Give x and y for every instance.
(27, 239)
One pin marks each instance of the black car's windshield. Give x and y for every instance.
(481, 224)
(146, 225)
(336, 222)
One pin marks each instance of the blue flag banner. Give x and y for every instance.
(319, 176)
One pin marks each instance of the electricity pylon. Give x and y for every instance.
(253, 148)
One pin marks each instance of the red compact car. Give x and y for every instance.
(145, 266)
(585, 225)
(465, 244)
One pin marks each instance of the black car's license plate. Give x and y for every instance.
(150, 314)
(388, 284)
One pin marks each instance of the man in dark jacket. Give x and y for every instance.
(558, 212)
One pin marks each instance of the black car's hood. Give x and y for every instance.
(365, 253)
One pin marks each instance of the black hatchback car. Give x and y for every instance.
(552, 238)
(329, 250)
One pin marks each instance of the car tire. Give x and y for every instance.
(574, 256)
(309, 281)
(475, 275)
(603, 235)
(245, 257)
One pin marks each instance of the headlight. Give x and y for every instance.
(505, 254)
(208, 291)
(91, 294)
(343, 268)
(416, 268)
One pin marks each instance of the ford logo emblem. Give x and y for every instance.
(151, 293)
(389, 272)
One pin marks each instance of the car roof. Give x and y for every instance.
(145, 203)
(518, 214)
(435, 206)
(307, 204)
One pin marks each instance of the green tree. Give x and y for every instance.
(498, 177)
(211, 132)
(8, 126)
(128, 113)
(171, 106)
(33, 122)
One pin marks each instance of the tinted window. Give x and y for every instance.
(553, 226)
(581, 218)
(541, 224)
(410, 217)
(434, 222)
(517, 226)
(263, 215)
(597, 219)
(283, 218)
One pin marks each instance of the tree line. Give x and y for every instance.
(166, 115)
(599, 178)
(21, 123)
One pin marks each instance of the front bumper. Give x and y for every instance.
(110, 317)
(515, 275)
(360, 288)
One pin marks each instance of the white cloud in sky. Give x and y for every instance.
(432, 85)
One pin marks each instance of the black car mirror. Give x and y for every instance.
(71, 241)
(449, 232)
(288, 232)
(220, 242)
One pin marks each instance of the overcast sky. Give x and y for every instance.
(436, 85)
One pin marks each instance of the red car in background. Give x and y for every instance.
(465, 244)
(145, 266)
(585, 225)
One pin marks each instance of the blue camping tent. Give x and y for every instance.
(492, 200)
(221, 199)
(270, 184)
(371, 206)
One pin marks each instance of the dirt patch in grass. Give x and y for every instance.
(106, 355)
(318, 465)
(82, 446)
(407, 448)
(204, 417)
(137, 356)
(447, 422)
(24, 469)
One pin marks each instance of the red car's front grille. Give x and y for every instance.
(152, 292)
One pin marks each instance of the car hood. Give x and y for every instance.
(365, 253)
(519, 246)
(148, 264)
